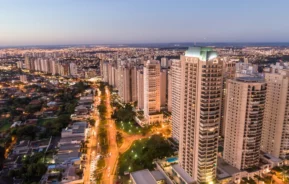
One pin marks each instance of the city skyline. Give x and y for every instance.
(72, 22)
(144, 92)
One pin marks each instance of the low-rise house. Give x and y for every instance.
(22, 148)
(12, 162)
(77, 129)
(48, 113)
(35, 102)
(70, 173)
(71, 140)
(81, 110)
(67, 153)
(40, 145)
(31, 121)
(147, 177)
(51, 104)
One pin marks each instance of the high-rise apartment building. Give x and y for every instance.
(229, 72)
(244, 110)
(133, 75)
(152, 104)
(140, 89)
(125, 83)
(163, 87)
(27, 63)
(105, 73)
(169, 91)
(201, 91)
(175, 89)
(164, 62)
(19, 64)
(54, 67)
(113, 76)
(73, 69)
(275, 133)
(23, 78)
(43, 65)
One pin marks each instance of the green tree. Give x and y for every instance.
(125, 114)
(27, 132)
(91, 122)
(33, 108)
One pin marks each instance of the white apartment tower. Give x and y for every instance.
(229, 72)
(152, 104)
(124, 83)
(176, 98)
(23, 78)
(54, 67)
(244, 110)
(201, 91)
(140, 89)
(19, 64)
(275, 132)
(163, 87)
(134, 84)
(73, 69)
(105, 74)
(164, 62)
(27, 63)
(170, 90)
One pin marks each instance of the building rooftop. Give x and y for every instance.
(23, 143)
(203, 53)
(69, 140)
(250, 79)
(143, 177)
(68, 147)
(183, 174)
(40, 143)
(272, 158)
(225, 170)
(68, 151)
(76, 128)
(158, 175)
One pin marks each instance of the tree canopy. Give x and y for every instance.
(125, 114)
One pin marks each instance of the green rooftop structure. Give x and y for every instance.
(203, 53)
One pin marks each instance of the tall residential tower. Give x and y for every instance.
(275, 135)
(152, 100)
(201, 91)
(244, 110)
(175, 82)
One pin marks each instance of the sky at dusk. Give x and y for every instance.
(37, 22)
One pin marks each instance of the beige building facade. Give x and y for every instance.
(152, 100)
(201, 91)
(244, 110)
(275, 134)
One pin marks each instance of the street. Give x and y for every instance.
(90, 165)
(111, 160)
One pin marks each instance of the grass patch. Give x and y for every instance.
(100, 164)
(129, 127)
(132, 128)
(5, 125)
(127, 161)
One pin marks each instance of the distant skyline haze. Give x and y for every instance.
(56, 22)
